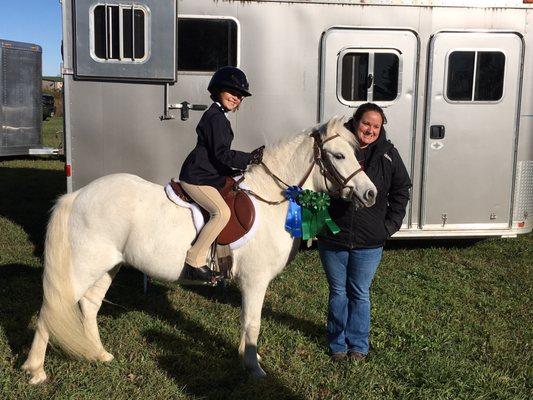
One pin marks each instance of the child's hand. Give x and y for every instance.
(257, 155)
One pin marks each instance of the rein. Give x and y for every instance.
(320, 158)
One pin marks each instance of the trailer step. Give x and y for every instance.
(44, 151)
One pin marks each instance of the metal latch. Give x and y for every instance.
(444, 219)
(184, 106)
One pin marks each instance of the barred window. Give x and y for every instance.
(119, 32)
(475, 76)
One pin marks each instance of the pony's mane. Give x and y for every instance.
(277, 150)
(335, 124)
(280, 152)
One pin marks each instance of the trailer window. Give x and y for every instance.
(369, 76)
(385, 77)
(489, 75)
(206, 44)
(355, 76)
(475, 76)
(119, 33)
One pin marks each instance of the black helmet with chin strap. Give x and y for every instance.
(229, 78)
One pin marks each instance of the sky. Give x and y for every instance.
(34, 21)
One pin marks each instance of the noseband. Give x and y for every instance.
(320, 158)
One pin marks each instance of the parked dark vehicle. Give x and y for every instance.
(48, 106)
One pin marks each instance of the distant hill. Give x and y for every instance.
(53, 78)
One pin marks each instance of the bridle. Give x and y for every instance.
(322, 160)
(327, 169)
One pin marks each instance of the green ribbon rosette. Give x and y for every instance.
(315, 213)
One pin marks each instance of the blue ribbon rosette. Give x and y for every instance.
(293, 221)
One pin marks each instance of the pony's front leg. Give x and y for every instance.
(253, 293)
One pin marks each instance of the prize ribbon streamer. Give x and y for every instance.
(293, 221)
(315, 214)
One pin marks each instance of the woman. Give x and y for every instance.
(205, 169)
(351, 257)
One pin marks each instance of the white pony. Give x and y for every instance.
(122, 218)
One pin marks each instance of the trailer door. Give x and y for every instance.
(471, 127)
(376, 65)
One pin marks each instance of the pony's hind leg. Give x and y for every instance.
(90, 304)
(34, 365)
(253, 294)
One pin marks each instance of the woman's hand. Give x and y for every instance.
(257, 155)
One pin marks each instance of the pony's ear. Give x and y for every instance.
(336, 126)
(332, 126)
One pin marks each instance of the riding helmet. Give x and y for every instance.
(230, 78)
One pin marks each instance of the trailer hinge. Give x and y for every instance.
(67, 71)
(444, 219)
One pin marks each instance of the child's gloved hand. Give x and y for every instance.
(257, 155)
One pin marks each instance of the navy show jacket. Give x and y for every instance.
(212, 158)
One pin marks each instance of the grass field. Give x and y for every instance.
(451, 320)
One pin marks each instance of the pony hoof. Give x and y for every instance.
(105, 356)
(258, 373)
(37, 377)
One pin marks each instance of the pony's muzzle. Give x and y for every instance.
(370, 197)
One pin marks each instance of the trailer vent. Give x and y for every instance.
(119, 32)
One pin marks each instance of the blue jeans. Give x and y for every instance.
(349, 274)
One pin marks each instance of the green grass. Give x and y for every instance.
(53, 132)
(451, 320)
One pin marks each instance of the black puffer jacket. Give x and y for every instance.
(212, 159)
(370, 227)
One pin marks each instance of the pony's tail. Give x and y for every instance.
(60, 312)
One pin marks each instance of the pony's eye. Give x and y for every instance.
(338, 156)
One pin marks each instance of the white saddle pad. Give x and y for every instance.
(198, 218)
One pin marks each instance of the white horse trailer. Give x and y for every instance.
(454, 78)
(21, 102)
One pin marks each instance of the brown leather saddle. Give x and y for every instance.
(241, 207)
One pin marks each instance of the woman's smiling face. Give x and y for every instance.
(368, 128)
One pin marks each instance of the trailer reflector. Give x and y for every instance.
(521, 224)
(68, 170)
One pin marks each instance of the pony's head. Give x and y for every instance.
(340, 171)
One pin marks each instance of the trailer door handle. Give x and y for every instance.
(437, 132)
(197, 107)
(185, 106)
